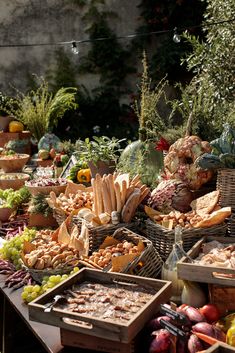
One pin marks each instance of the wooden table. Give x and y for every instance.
(14, 314)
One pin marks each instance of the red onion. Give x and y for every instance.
(194, 344)
(161, 342)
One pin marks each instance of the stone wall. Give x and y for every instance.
(49, 21)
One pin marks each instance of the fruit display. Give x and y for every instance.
(32, 291)
(11, 249)
(179, 163)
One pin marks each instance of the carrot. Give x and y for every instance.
(208, 339)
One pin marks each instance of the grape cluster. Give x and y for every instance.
(31, 292)
(12, 248)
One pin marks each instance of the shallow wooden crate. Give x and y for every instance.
(119, 332)
(223, 297)
(220, 348)
(206, 274)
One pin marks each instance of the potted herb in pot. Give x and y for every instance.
(101, 153)
(5, 117)
(39, 110)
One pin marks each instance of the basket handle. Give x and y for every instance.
(78, 323)
(224, 276)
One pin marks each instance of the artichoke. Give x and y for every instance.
(171, 195)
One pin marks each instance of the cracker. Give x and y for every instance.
(205, 204)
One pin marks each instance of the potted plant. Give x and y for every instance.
(143, 156)
(5, 117)
(39, 110)
(101, 153)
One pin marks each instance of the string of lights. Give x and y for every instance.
(74, 43)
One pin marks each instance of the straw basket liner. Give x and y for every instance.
(226, 186)
(149, 263)
(163, 239)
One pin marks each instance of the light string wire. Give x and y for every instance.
(73, 42)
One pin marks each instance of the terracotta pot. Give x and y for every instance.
(14, 183)
(4, 122)
(39, 220)
(102, 168)
(11, 165)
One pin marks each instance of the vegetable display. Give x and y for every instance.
(180, 162)
(14, 199)
(223, 151)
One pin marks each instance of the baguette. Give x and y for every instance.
(118, 197)
(95, 201)
(106, 198)
(129, 191)
(112, 191)
(143, 194)
(123, 192)
(100, 207)
(130, 207)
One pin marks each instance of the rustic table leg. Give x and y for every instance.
(1, 320)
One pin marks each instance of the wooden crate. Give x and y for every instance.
(73, 339)
(223, 297)
(207, 274)
(220, 348)
(119, 332)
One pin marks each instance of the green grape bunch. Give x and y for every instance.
(31, 292)
(12, 248)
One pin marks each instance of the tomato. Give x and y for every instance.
(211, 312)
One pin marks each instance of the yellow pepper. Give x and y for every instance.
(230, 337)
(84, 176)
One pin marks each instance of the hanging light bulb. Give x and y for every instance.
(176, 36)
(74, 48)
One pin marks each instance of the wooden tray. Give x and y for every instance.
(220, 348)
(120, 332)
(201, 273)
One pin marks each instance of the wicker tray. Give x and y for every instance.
(38, 275)
(163, 239)
(226, 185)
(149, 263)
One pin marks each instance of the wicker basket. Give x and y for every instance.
(149, 263)
(38, 275)
(163, 239)
(59, 215)
(98, 234)
(226, 186)
(231, 225)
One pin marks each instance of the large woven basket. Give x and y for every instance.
(226, 185)
(98, 234)
(59, 215)
(149, 263)
(163, 239)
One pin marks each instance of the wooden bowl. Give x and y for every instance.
(14, 183)
(35, 190)
(5, 213)
(13, 164)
